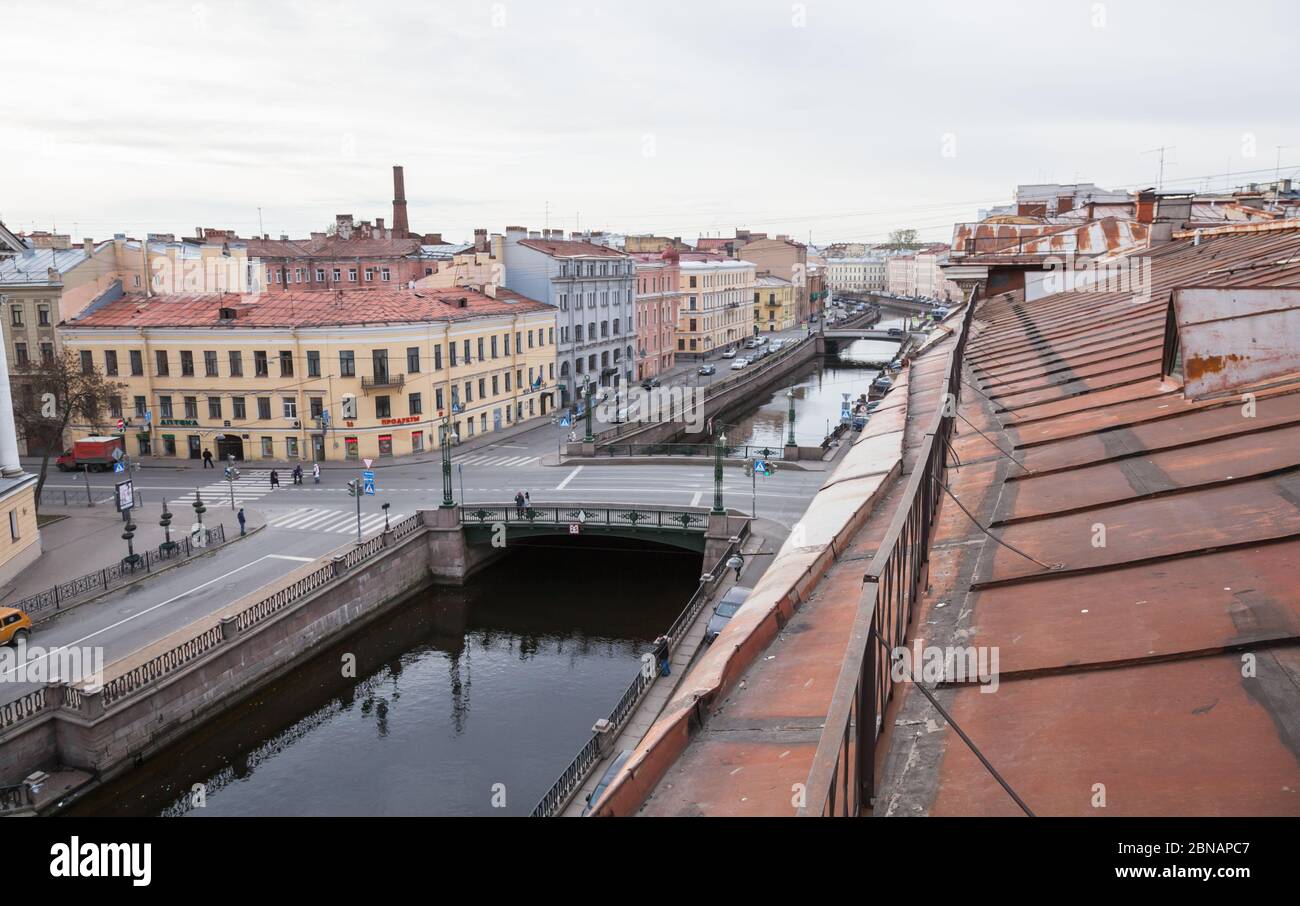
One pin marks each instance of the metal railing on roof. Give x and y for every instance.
(841, 781)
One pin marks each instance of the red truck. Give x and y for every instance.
(93, 453)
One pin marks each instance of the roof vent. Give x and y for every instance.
(228, 314)
(462, 302)
(1220, 340)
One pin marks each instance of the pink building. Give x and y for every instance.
(658, 293)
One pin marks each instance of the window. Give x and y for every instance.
(286, 364)
(16, 315)
(165, 406)
(416, 404)
(313, 363)
(239, 411)
(480, 349)
(260, 366)
(264, 408)
(467, 355)
(417, 440)
(14, 533)
(351, 448)
(438, 399)
(187, 363)
(383, 407)
(338, 275)
(494, 347)
(141, 405)
(349, 406)
(43, 315)
(87, 362)
(160, 360)
(316, 406)
(352, 275)
(214, 408)
(192, 408)
(496, 387)
(268, 448)
(379, 364)
(137, 363)
(370, 275)
(437, 357)
(482, 388)
(291, 447)
(347, 363)
(210, 364)
(385, 273)
(469, 392)
(236, 364)
(550, 333)
(451, 348)
(320, 275)
(290, 407)
(115, 406)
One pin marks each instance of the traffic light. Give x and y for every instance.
(354, 488)
(232, 474)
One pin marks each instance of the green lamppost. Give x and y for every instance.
(790, 417)
(719, 447)
(447, 501)
(168, 547)
(132, 559)
(199, 510)
(590, 436)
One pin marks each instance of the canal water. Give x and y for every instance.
(465, 701)
(818, 395)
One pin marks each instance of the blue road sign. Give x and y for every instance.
(118, 467)
(566, 422)
(368, 482)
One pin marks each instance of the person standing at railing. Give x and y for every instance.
(661, 655)
(519, 504)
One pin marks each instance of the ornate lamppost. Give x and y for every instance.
(132, 559)
(590, 436)
(199, 510)
(447, 501)
(168, 547)
(719, 447)
(790, 418)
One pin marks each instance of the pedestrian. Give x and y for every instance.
(207, 460)
(528, 501)
(275, 479)
(240, 517)
(315, 473)
(519, 504)
(297, 474)
(661, 655)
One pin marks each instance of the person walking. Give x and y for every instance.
(275, 479)
(297, 474)
(240, 517)
(207, 460)
(519, 504)
(315, 473)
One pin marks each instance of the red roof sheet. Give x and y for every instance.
(572, 248)
(307, 309)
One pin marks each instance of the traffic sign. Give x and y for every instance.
(121, 425)
(368, 481)
(566, 422)
(367, 462)
(574, 528)
(118, 467)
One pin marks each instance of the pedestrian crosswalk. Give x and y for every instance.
(488, 459)
(338, 522)
(252, 484)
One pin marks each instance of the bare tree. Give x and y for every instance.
(49, 393)
(903, 239)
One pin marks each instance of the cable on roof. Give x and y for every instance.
(1028, 470)
(971, 385)
(1009, 547)
(960, 732)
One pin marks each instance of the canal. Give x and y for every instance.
(818, 394)
(466, 701)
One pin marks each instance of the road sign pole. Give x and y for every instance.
(89, 501)
(359, 492)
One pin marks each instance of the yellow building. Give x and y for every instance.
(714, 312)
(774, 304)
(20, 538)
(319, 375)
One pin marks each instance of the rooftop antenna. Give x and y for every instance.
(1277, 178)
(1160, 182)
(546, 220)
(260, 230)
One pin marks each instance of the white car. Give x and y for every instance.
(729, 354)
(739, 364)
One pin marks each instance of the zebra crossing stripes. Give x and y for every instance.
(251, 485)
(487, 459)
(338, 522)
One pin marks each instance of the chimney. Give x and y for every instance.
(1146, 207)
(400, 225)
(52, 275)
(379, 224)
(480, 240)
(89, 246)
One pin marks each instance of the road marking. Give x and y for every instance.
(561, 486)
(134, 616)
(695, 501)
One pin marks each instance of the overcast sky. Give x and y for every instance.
(839, 120)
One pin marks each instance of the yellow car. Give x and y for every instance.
(14, 625)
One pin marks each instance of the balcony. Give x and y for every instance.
(383, 382)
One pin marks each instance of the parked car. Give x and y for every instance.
(725, 610)
(895, 331)
(650, 383)
(761, 341)
(593, 799)
(751, 344)
(729, 354)
(940, 313)
(707, 369)
(739, 364)
(15, 626)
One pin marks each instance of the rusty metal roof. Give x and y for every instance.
(1143, 601)
(995, 241)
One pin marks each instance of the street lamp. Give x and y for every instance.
(719, 445)
(168, 545)
(790, 417)
(385, 509)
(447, 436)
(590, 436)
(132, 559)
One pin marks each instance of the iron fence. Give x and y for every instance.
(841, 781)
(583, 514)
(730, 451)
(74, 590)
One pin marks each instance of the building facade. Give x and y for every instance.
(717, 304)
(784, 258)
(775, 304)
(319, 376)
(856, 275)
(592, 288)
(658, 298)
(20, 536)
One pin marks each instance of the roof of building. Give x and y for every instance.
(332, 247)
(572, 248)
(772, 280)
(306, 309)
(32, 266)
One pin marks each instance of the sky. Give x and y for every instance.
(826, 120)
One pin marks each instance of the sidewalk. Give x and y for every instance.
(90, 539)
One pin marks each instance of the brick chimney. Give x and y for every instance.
(400, 224)
(480, 240)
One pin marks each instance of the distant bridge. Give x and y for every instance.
(864, 333)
